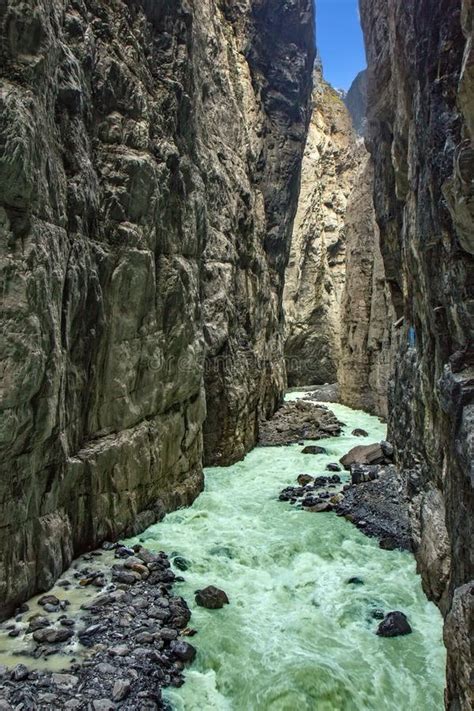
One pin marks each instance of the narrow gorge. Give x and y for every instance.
(237, 357)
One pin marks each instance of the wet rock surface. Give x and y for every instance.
(211, 597)
(296, 421)
(379, 508)
(127, 641)
(394, 624)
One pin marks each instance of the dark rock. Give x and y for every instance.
(355, 581)
(211, 597)
(361, 473)
(49, 600)
(121, 689)
(333, 467)
(394, 624)
(181, 563)
(19, 673)
(304, 479)
(51, 635)
(313, 449)
(388, 544)
(319, 507)
(359, 433)
(183, 651)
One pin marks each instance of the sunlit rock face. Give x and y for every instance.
(316, 271)
(356, 102)
(339, 317)
(149, 163)
(421, 98)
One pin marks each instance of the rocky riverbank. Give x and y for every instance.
(371, 496)
(299, 420)
(110, 635)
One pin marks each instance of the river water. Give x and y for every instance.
(296, 636)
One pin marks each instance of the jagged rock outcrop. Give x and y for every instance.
(367, 316)
(356, 102)
(316, 271)
(149, 164)
(421, 101)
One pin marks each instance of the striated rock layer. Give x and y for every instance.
(316, 271)
(149, 165)
(421, 108)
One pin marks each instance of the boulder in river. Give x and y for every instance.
(394, 624)
(333, 467)
(211, 597)
(51, 635)
(365, 454)
(359, 432)
(313, 449)
(304, 479)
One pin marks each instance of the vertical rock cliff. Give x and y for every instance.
(149, 162)
(338, 309)
(421, 102)
(367, 316)
(316, 271)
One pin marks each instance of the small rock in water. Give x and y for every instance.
(377, 614)
(313, 449)
(355, 581)
(359, 433)
(304, 479)
(394, 624)
(50, 635)
(183, 651)
(333, 467)
(49, 600)
(211, 597)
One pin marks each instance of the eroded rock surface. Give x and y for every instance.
(421, 98)
(149, 164)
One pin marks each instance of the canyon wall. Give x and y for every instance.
(316, 271)
(339, 318)
(150, 156)
(367, 316)
(420, 128)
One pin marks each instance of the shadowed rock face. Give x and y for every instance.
(367, 315)
(421, 99)
(144, 229)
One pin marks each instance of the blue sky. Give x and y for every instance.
(340, 41)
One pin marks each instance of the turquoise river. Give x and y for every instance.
(296, 636)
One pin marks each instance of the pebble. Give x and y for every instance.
(19, 673)
(103, 705)
(121, 689)
(120, 650)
